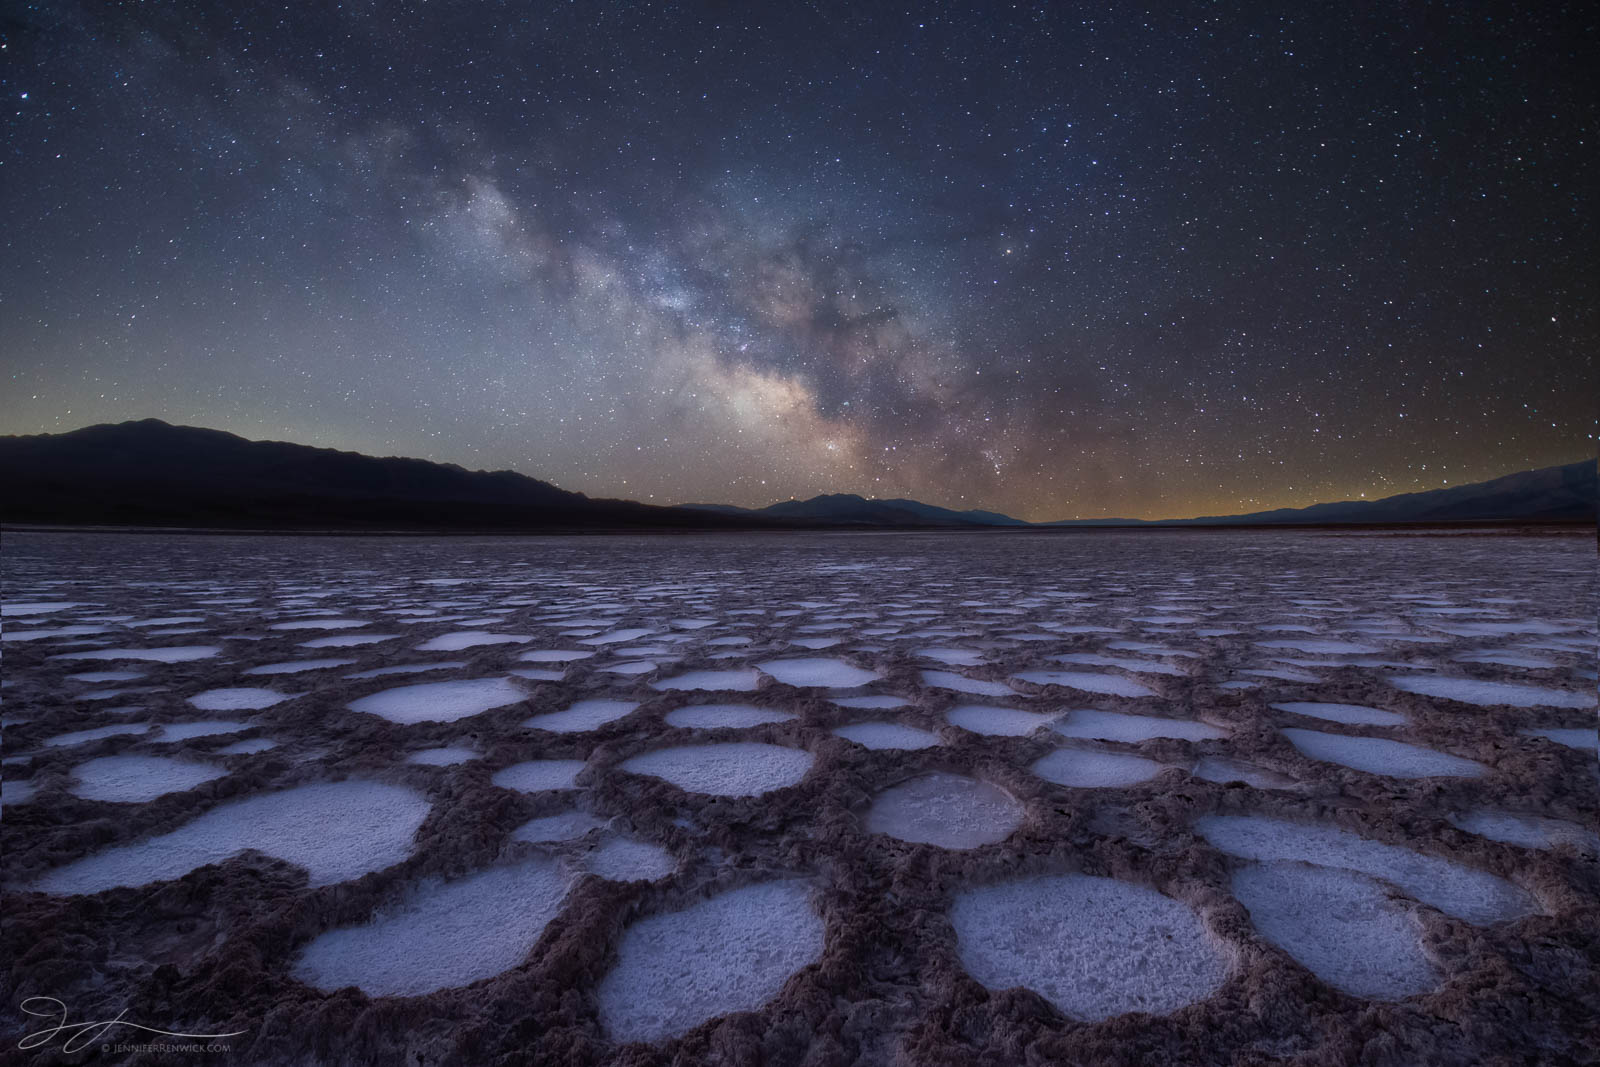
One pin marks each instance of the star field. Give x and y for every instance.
(1054, 260)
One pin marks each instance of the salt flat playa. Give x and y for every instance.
(1166, 797)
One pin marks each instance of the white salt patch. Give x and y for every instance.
(538, 676)
(1574, 737)
(1470, 894)
(814, 642)
(106, 676)
(173, 654)
(999, 722)
(246, 748)
(1377, 755)
(879, 702)
(1239, 685)
(78, 737)
(1529, 831)
(240, 699)
(1089, 682)
(1496, 629)
(1093, 947)
(832, 673)
(567, 826)
(59, 631)
(136, 779)
(553, 655)
(1340, 925)
(470, 639)
(955, 657)
(730, 953)
(739, 680)
(622, 859)
(1473, 691)
(878, 735)
(637, 667)
(1357, 714)
(448, 756)
(1283, 675)
(727, 715)
(37, 607)
(17, 792)
(440, 701)
(183, 731)
(444, 935)
(536, 776)
(616, 636)
(1095, 770)
(299, 665)
(728, 641)
(962, 684)
(1322, 647)
(1507, 659)
(1115, 726)
(319, 624)
(947, 810)
(408, 668)
(1096, 660)
(336, 831)
(347, 640)
(584, 715)
(734, 769)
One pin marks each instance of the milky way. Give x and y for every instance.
(1053, 260)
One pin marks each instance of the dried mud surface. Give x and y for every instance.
(213, 950)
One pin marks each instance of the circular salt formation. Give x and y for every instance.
(1095, 770)
(623, 859)
(945, 810)
(440, 701)
(536, 776)
(1093, 947)
(887, 735)
(712, 716)
(730, 953)
(336, 831)
(239, 699)
(447, 756)
(817, 672)
(136, 779)
(1379, 755)
(1340, 925)
(447, 934)
(582, 716)
(735, 769)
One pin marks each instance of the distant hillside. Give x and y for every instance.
(847, 509)
(1565, 493)
(149, 473)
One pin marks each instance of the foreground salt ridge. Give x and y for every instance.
(731, 641)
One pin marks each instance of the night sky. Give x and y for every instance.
(1054, 260)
